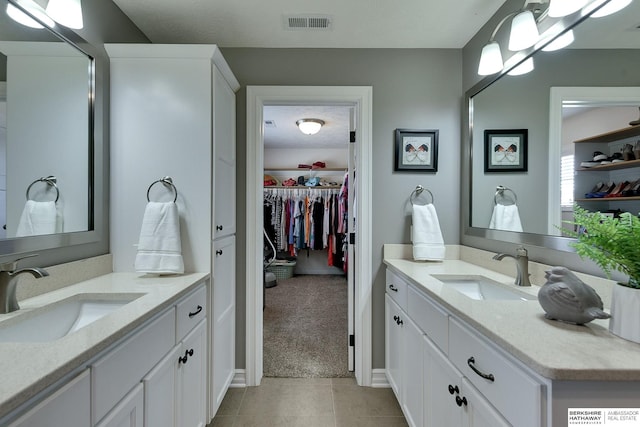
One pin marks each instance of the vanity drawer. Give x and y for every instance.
(430, 318)
(113, 376)
(513, 392)
(190, 311)
(397, 289)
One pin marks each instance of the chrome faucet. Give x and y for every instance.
(522, 266)
(8, 281)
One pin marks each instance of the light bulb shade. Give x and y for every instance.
(524, 31)
(24, 19)
(490, 59)
(560, 8)
(524, 68)
(560, 42)
(309, 126)
(610, 8)
(66, 12)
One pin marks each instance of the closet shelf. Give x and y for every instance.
(305, 169)
(613, 166)
(614, 135)
(303, 187)
(609, 199)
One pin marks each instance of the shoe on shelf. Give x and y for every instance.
(636, 150)
(617, 190)
(633, 189)
(603, 191)
(627, 152)
(599, 156)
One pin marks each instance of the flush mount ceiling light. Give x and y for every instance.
(66, 12)
(309, 126)
(34, 9)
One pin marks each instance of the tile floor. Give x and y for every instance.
(309, 402)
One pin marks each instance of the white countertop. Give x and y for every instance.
(556, 350)
(28, 368)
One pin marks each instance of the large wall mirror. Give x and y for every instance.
(587, 89)
(46, 137)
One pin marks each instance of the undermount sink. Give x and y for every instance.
(59, 319)
(482, 288)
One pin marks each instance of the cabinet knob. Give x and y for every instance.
(185, 358)
(396, 318)
(471, 362)
(393, 288)
(399, 321)
(219, 227)
(461, 401)
(453, 389)
(219, 252)
(195, 313)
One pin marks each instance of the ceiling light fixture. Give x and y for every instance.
(560, 8)
(66, 12)
(610, 8)
(34, 9)
(309, 126)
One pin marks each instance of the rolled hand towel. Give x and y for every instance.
(505, 217)
(39, 218)
(159, 247)
(428, 244)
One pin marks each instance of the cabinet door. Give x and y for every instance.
(192, 378)
(69, 406)
(443, 383)
(160, 395)
(478, 412)
(224, 152)
(223, 318)
(128, 413)
(393, 345)
(412, 372)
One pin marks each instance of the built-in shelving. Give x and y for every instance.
(609, 199)
(613, 166)
(614, 135)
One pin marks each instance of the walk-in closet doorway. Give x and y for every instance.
(358, 101)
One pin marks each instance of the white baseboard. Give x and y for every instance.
(379, 379)
(239, 379)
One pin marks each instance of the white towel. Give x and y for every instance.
(159, 247)
(428, 244)
(505, 217)
(39, 218)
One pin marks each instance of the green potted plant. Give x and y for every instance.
(613, 244)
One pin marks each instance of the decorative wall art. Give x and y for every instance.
(416, 150)
(505, 150)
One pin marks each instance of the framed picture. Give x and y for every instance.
(505, 150)
(416, 150)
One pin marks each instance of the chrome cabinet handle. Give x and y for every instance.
(453, 390)
(195, 313)
(471, 362)
(393, 288)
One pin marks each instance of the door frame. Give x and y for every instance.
(257, 98)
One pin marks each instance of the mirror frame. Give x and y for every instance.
(21, 245)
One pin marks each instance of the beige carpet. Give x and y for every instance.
(305, 328)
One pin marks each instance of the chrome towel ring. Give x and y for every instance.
(49, 180)
(167, 182)
(417, 192)
(500, 189)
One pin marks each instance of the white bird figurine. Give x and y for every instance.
(567, 298)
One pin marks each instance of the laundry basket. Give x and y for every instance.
(282, 269)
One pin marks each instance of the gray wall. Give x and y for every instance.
(412, 88)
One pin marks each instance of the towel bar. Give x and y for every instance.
(166, 181)
(419, 190)
(500, 189)
(50, 180)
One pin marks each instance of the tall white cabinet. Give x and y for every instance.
(173, 114)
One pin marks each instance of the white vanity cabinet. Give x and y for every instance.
(445, 374)
(129, 412)
(69, 406)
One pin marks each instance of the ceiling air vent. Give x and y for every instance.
(307, 22)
